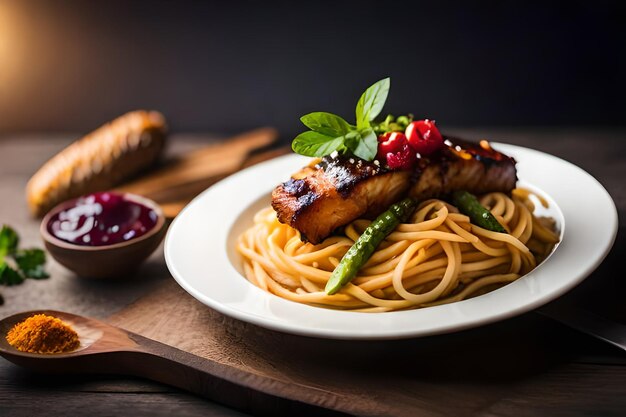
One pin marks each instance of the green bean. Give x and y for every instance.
(479, 215)
(367, 243)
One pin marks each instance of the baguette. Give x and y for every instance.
(99, 161)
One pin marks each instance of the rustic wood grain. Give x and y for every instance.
(106, 349)
(525, 366)
(478, 368)
(173, 201)
(186, 176)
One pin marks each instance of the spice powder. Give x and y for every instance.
(43, 334)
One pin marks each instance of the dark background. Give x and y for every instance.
(228, 66)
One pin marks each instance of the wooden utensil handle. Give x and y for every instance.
(257, 394)
(172, 203)
(211, 161)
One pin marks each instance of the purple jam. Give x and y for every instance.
(102, 219)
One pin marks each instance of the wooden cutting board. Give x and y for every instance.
(527, 366)
(490, 370)
(457, 374)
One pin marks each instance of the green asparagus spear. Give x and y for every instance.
(479, 215)
(367, 243)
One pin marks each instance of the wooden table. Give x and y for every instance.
(553, 369)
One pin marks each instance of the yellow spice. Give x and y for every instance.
(43, 334)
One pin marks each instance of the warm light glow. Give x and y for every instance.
(4, 24)
(9, 53)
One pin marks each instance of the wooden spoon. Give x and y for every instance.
(105, 349)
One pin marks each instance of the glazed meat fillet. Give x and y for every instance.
(337, 190)
(463, 165)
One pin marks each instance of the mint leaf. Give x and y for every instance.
(8, 241)
(367, 147)
(9, 276)
(312, 143)
(371, 103)
(31, 263)
(326, 123)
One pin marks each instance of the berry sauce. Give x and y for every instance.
(101, 219)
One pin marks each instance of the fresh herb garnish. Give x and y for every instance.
(393, 124)
(330, 133)
(371, 103)
(16, 265)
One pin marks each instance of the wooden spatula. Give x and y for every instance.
(183, 178)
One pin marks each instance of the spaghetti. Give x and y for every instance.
(438, 257)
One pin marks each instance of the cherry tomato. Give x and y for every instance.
(390, 142)
(394, 149)
(424, 137)
(403, 159)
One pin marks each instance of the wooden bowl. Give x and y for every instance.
(109, 261)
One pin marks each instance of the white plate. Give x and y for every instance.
(200, 254)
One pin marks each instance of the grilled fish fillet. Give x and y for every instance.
(463, 165)
(337, 190)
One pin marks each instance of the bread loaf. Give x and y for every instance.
(99, 161)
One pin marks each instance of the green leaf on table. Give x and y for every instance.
(9, 276)
(31, 263)
(311, 143)
(8, 241)
(367, 147)
(371, 103)
(18, 264)
(326, 123)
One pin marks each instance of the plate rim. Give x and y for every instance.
(305, 329)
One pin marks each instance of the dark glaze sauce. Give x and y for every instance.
(455, 148)
(102, 219)
(346, 171)
(487, 155)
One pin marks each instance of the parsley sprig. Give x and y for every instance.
(16, 265)
(330, 133)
